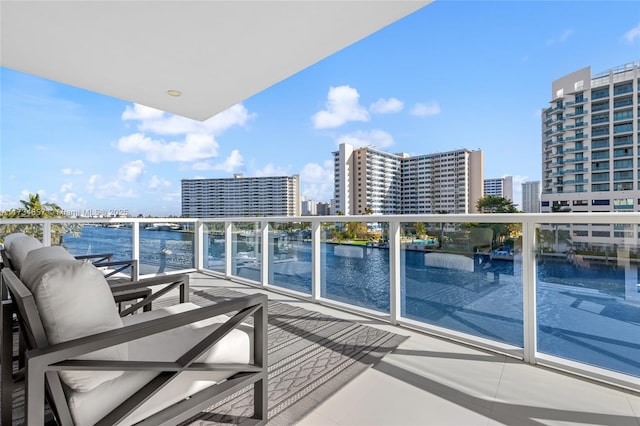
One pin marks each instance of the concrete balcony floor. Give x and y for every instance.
(431, 381)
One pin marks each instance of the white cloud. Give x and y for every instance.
(101, 188)
(141, 112)
(70, 171)
(160, 123)
(156, 183)
(632, 34)
(272, 170)
(342, 106)
(66, 187)
(131, 172)
(316, 181)
(233, 162)
(194, 147)
(425, 110)
(386, 106)
(373, 138)
(562, 38)
(73, 201)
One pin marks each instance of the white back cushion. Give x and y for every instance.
(11, 237)
(39, 261)
(19, 248)
(74, 300)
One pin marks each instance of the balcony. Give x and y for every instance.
(576, 137)
(396, 283)
(577, 160)
(576, 182)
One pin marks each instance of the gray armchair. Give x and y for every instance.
(96, 367)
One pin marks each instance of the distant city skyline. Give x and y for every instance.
(453, 75)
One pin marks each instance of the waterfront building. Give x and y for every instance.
(241, 196)
(590, 149)
(531, 197)
(499, 187)
(309, 208)
(323, 209)
(378, 182)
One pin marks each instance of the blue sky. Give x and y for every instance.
(452, 75)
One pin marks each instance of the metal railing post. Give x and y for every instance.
(198, 245)
(46, 234)
(529, 291)
(228, 248)
(395, 302)
(316, 278)
(135, 246)
(264, 256)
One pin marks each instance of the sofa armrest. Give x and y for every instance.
(116, 266)
(168, 283)
(99, 257)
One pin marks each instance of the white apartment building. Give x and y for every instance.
(531, 197)
(499, 187)
(590, 148)
(385, 183)
(241, 196)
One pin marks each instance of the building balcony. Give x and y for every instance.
(576, 114)
(577, 160)
(576, 137)
(570, 171)
(576, 102)
(478, 325)
(576, 149)
(576, 182)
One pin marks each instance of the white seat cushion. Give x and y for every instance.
(19, 248)
(236, 347)
(74, 300)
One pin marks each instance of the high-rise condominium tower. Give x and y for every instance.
(590, 147)
(590, 141)
(531, 197)
(500, 187)
(370, 180)
(241, 196)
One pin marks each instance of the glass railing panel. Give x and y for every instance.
(98, 238)
(165, 247)
(588, 298)
(35, 230)
(290, 255)
(354, 263)
(464, 277)
(245, 250)
(214, 245)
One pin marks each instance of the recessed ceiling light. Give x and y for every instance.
(174, 92)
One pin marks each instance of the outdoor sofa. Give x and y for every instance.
(94, 365)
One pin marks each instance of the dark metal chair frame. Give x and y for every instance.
(43, 361)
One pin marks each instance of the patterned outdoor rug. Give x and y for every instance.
(310, 356)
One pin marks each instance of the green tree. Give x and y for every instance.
(495, 204)
(34, 208)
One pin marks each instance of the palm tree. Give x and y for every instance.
(34, 208)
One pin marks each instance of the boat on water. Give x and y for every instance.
(165, 226)
(502, 253)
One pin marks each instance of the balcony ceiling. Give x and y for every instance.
(216, 53)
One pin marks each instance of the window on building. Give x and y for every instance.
(622, 128)
(600, 233)
(623, 186)
(600, 93)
